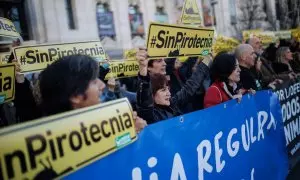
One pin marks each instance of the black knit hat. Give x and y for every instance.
(222, 66)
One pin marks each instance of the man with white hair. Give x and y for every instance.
(246, 57)
(256, 45)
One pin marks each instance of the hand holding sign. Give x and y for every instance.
(20, 78)
(111, 83)
(292, 76)
(18, 66)
(142, 57)
(139, 123)
(238, 97)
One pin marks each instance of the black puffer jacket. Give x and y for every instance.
(26, 107)
(151, 112)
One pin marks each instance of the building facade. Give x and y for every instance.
(119, 24)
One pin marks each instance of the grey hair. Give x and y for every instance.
(251, 40)
(241, 49)
(280, 53)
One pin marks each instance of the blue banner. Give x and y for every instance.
(229, 141)
(289, 97)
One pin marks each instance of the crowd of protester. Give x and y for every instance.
(164, 88)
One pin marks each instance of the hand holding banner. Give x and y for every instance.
(226, 145)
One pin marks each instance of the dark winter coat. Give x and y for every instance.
(151, 112)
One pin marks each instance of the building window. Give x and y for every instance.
(232, 8)
(15, 11)
(136, 21)
(105, 20)
(70, 14)
(160, 14)
(209, 17)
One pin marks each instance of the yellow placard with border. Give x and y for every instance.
(4, 57)
(224, 43)
(38, 57)
(296, 33)
(122, 69)
(175, 41)
(190, 13)
(283, 34)
(266, 37)
(130, 54)
(183, 58)
(55, 146)
(248, 33)
(8, 29)
(7, 83)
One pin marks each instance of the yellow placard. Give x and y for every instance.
(266, 37)
(130, 54)
(55, 146)
(38, 57)
(4, 57)
(205, 59)
(296, 33)
(224, 43)
(283, 34)
(122, 69)
(247, 33)
(175, 41)
(7, 83)
(190, 13)
(7, 28)
(183, 58)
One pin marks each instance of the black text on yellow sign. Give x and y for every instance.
(58, 145)
(37, 58)
(7, 28)
(122, 69)
(130, 54)
(175, 41)
(7, 82)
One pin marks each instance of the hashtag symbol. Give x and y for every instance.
(23, 60)
(153, 41)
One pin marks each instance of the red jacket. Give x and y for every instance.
(216, 94)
